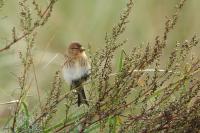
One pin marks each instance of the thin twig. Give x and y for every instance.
(10, 102)
(30, 32)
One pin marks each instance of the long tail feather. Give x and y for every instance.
(81, 96)
(80, 91)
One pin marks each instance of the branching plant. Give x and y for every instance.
(138, 96)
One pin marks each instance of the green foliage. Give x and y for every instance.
(23, 123)
(112, 124)
(120, 61)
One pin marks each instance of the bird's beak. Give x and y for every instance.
(82, 49)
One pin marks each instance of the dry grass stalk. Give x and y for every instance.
(133, 99)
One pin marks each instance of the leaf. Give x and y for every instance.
(27, 116)
(119, 120)
(112, 124)
(93, 128)
(120, 61)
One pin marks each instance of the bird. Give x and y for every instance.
(76, 70)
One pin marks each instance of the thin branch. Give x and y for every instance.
(10, 102)
(36, 25)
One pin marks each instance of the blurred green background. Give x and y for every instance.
(86, 21)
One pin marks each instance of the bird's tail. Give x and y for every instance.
(81, 96)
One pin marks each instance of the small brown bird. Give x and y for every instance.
(76, 70)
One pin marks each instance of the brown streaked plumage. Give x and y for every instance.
(76, 69)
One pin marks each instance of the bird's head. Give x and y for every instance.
(75, 49)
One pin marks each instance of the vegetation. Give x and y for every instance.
(134, 96)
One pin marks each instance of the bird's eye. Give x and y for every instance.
(74, 48)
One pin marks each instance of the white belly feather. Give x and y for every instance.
(74, 73)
